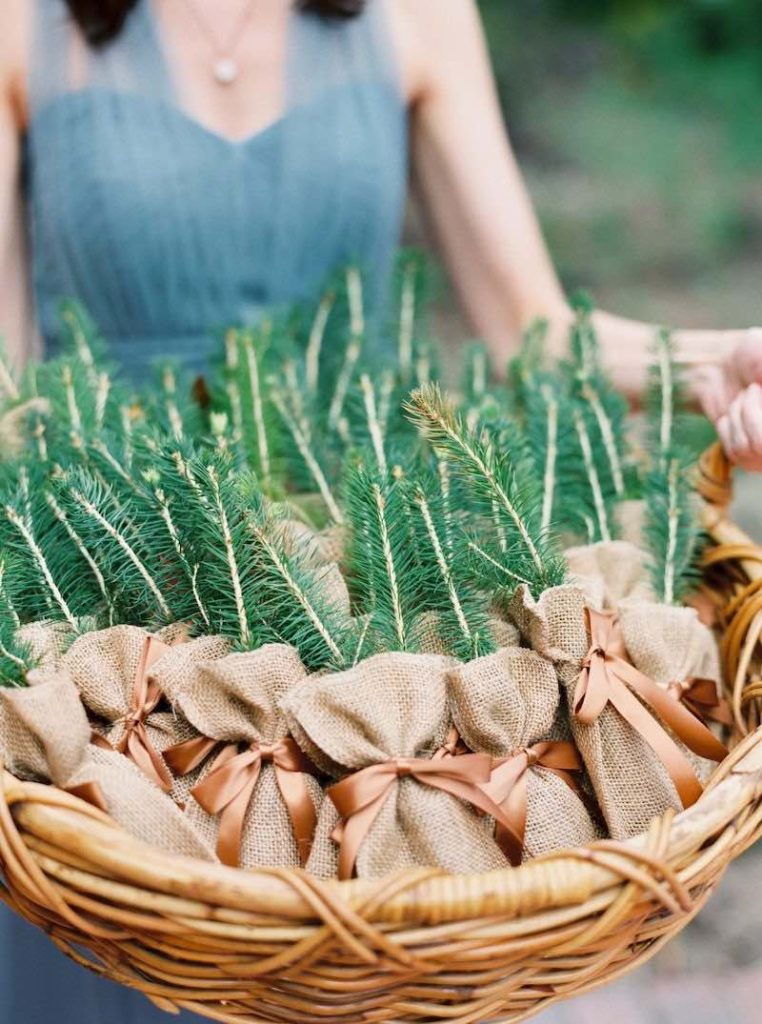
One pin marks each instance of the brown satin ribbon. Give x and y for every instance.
(452, 747)
(91, 793)
(702, 697)
(136, 743)
(607, 677)
(229, 787)
(359, 798)
(508, 788)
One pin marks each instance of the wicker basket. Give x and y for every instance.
(421, 947)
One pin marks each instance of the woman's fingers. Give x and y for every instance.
(740, 429)
(712, 390)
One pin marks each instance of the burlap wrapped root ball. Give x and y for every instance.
(610, 572)
(255, 797)
(362, 722)
(506, 705)
(631, 781)
(45, 737)
(112, 669)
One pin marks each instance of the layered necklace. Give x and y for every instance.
(225, 67)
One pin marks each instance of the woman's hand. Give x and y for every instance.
(731, 396)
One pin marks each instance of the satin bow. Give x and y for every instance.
(608, 678)
(136, 743)
(229, 787)
(508, 787)
(702, 697)
(360, 798)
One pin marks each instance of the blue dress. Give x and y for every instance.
(168, 231)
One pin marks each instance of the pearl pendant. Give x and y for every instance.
(225, 71)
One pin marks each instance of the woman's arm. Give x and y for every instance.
(15, 314)
(482, 215)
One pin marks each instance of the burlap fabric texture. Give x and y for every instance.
(112, 671)
(632, 782)
(45, 737)
(506, 704)
(255, 797)
(377, 727)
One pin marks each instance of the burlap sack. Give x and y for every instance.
(47, 641)
(45, 737)
(234, 700)
(105, 667)
(630, 781)
(389, 707)
(610, 572)
(506, 705)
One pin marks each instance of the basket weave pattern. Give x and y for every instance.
(277, 945)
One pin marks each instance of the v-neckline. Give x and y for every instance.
(158, 42)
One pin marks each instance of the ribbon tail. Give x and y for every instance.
(678, 767)
(355, 831)
(183, 758)
(301, 810)
(91, 793)
(140, 749)
(232, 821)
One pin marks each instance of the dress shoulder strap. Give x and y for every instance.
(61, 62)
(331, 53)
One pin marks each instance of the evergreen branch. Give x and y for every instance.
(374, 425)
(593, 479)
(502, 572)
(79, 544)
(445, 569)
(491, 478)
(356, 303)
(25, 530)
(257, 404)
(281, 566)
(230, 555)
(406, 334)
(672, 530)
(551, 455)
(91, 510)
(103, 390)
(606, 427)
(343, 381)
(315, 341)
(305, 450)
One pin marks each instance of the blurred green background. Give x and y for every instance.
(637, 123)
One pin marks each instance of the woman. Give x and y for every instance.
(184, 169)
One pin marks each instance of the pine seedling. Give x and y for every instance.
(307, 452)
(597, 504)
(79, 335)
(382, 560)
(525, 370)
(554, 447)
(665, 402)
(672, 531)
(106, 522)
(462, 618)
(258, 417)
(503, 488)
(410, 288)
(292, 597)
(38, 590)
(315, 341)
(16, 660)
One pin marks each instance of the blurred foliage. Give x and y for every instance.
(637, 124)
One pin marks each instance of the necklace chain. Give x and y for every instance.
(225, 68)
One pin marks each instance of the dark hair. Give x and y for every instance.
(103, 20)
